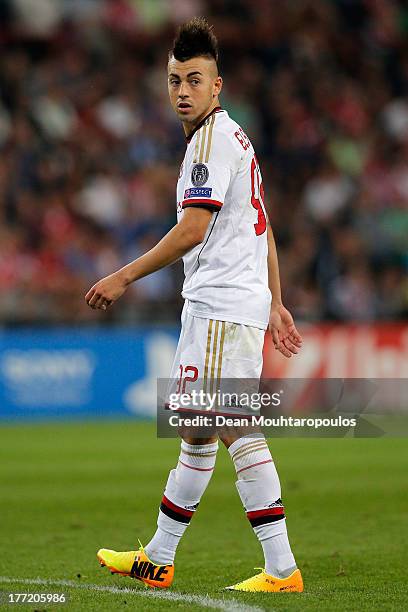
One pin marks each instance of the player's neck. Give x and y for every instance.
(189, 127)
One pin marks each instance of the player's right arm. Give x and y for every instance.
(184, 236)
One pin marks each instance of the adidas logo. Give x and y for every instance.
(146, 569)
(193, 507)
(277, 503)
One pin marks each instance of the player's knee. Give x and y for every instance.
(198, 441)
(228, 435)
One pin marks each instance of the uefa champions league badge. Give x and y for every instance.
(199, 175)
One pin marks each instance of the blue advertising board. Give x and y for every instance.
(66, 373)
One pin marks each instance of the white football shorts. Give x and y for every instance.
(211, 354)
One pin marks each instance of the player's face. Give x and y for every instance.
(194, 86)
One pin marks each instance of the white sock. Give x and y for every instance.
(260, 492)
(184, 489)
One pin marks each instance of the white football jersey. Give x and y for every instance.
(226, 276)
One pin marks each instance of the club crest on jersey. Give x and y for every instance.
(199, 175)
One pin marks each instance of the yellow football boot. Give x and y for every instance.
(265, 583)
(136, 564)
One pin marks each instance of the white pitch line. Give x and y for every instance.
(201, 600)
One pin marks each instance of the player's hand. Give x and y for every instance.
(106, 291)
(285, 336)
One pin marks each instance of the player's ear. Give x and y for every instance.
(217, 86)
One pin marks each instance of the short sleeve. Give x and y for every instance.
(211, 168)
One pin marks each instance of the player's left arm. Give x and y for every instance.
(285, 336)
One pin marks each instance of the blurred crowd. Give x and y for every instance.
(90, 149)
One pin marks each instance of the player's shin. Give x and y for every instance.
(260, 492)
(184, 489)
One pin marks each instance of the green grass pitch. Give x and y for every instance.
(69, 489)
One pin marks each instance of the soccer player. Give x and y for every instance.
(231, 271)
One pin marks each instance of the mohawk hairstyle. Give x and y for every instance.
(195, 38)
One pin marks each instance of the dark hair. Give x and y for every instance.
(195, 38)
